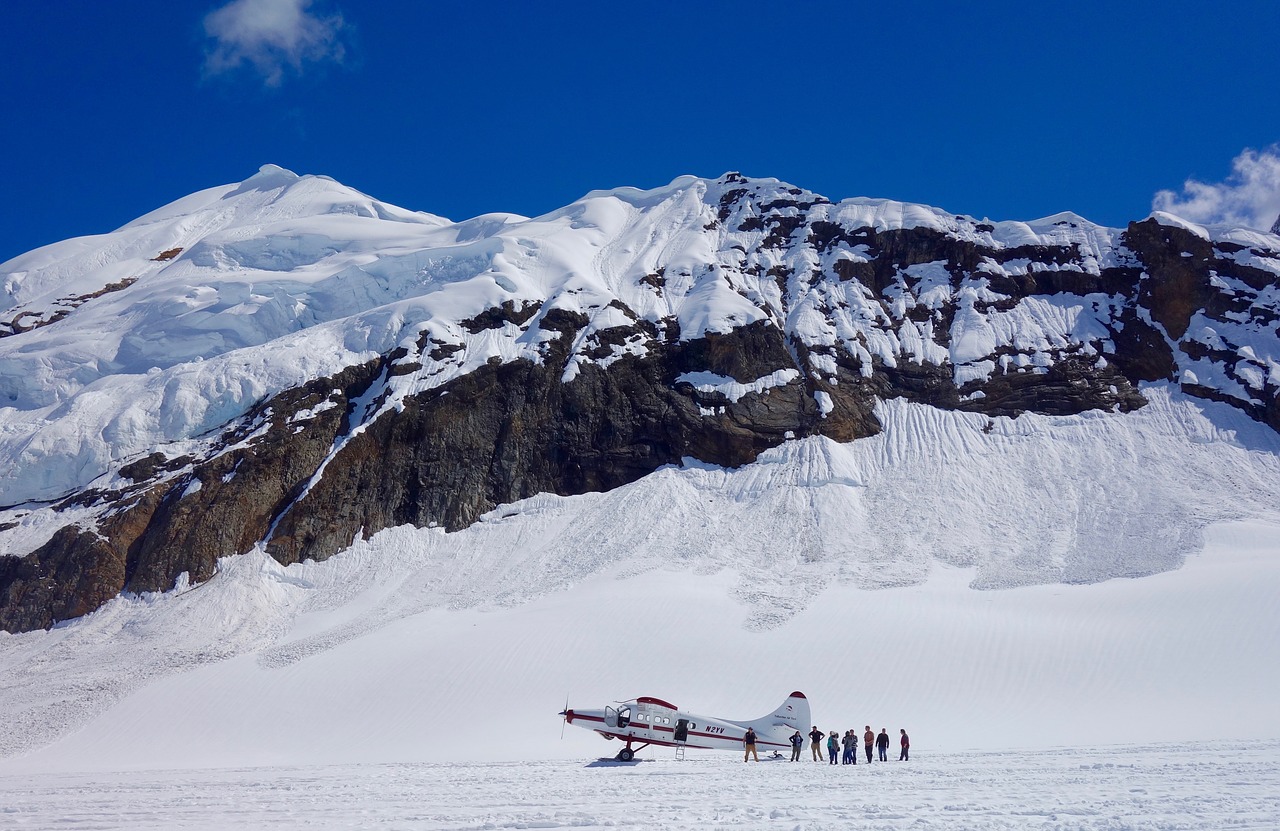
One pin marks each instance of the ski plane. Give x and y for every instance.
(645, 720)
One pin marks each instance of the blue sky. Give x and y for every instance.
(1005, 110)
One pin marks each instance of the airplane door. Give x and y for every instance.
(681, 733)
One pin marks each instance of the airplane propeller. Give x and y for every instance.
(564, 716)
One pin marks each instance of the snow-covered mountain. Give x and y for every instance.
(311, 479)
(289, 364)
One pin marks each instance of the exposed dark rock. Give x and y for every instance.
(496, 317)
(658, 280)
(744, 354)
(1142, 353)
(1178, 263)
(149, 466)
(71, 575)
(509, 431)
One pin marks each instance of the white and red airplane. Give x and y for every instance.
(645, 721)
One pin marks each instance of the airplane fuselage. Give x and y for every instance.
(648, 720)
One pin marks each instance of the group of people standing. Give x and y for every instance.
(849, 742)
(834, 742)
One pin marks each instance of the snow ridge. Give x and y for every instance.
(187, 317)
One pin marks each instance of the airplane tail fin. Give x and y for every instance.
(791, 715)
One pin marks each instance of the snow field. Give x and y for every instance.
(1161, 659)
(1107, 788)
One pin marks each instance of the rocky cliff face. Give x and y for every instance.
(576, 352)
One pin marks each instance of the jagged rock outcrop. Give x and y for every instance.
(712, 320)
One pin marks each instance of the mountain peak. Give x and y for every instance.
(268, 177)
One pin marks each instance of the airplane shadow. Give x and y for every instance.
(614, 763)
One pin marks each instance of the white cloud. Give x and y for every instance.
(1250, 196)
(271, 36)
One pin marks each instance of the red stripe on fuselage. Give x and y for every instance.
(642, 727)
(634, 737)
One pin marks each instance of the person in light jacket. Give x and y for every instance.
(833, 746)
(869, 739)
(850, 742)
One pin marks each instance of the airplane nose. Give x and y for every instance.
(568, 715)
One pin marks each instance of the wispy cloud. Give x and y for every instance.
(271, 37)
(1249, 196)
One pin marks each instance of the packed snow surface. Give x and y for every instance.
(1182, 787)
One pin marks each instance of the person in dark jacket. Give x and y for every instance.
(749, 745)
(797, 742)
(906, 744)
(815, 743)
(869, 739)
(882, 744)
(833, 746)
(850, 742)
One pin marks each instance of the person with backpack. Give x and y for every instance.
(815, 739)
(869, 739)
(797, 742)
(882, 744)
(850, 748)
(833, 746)
(749, 745)
(906, 744)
